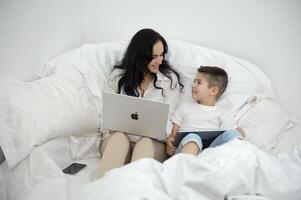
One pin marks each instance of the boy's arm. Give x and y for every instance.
(170, 148)
(242, 131)
(175, 129)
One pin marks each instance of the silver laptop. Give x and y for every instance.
(135, 116)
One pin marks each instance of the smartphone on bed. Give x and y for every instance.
(74, 168)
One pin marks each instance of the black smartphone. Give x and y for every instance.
(74, 168)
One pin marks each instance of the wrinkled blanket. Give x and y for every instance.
(231, 169)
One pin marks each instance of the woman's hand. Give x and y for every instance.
(170, 148)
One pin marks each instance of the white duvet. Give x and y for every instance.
(234, 168)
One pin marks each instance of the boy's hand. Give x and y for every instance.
(170, 148)
(242, 132)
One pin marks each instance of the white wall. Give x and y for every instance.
(33, 31)
(264, 32)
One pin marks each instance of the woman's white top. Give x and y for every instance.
(170, 96)
(192, 116)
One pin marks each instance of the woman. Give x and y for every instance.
(143, 73)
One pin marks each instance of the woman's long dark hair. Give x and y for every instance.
(136, 58)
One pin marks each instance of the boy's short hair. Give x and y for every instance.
(216, 77)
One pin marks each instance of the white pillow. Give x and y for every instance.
(288, 141)
(32, 113)
(264, 121)
(66, 101)
(245, 78)
(69, 59)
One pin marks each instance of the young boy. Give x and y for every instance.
(202, 114)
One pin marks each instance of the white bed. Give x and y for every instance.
(38, 118)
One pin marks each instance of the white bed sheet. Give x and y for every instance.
(232, 169)
(40, 176)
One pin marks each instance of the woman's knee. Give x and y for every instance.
(116, 139)
(144, 144)
(149, 148)
(144, 141)
(119, 136)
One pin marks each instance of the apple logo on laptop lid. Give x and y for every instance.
(134, 116)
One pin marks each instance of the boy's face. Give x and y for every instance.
(200, 89)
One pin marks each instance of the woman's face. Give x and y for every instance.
(153, 65)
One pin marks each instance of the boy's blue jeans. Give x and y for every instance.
(221, 139)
